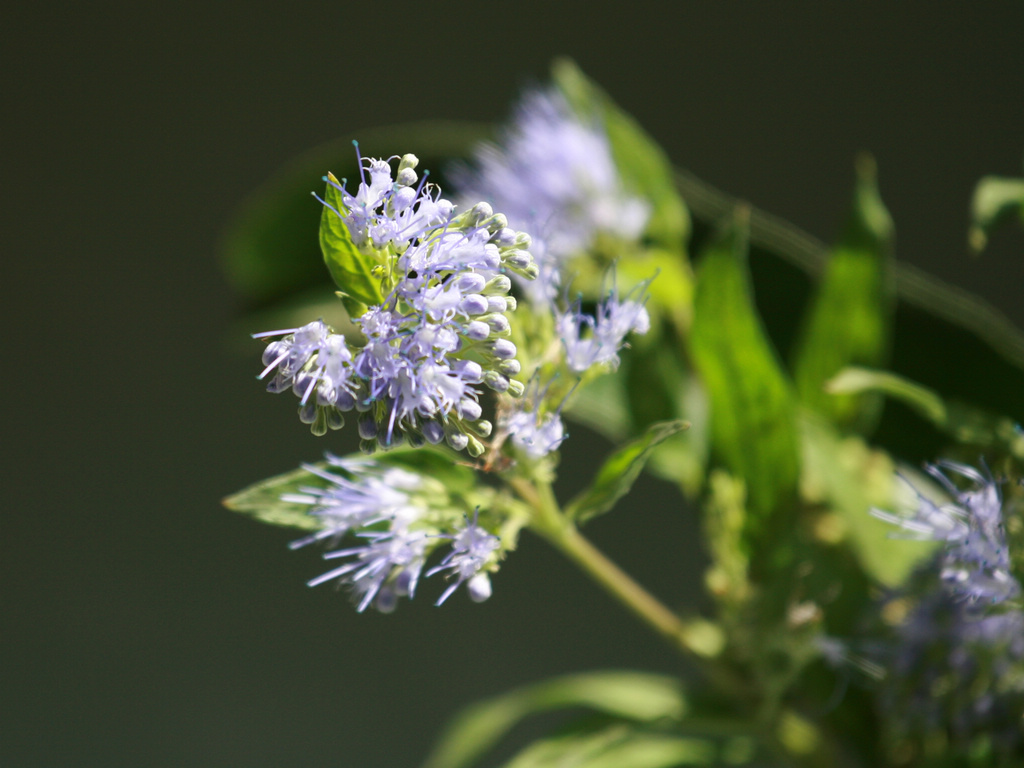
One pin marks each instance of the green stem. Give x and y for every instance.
(551, 523)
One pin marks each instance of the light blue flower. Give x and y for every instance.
(955, 662)
(532, 430)
(976, 561)
(597, 339)
(438, 337)
(472, 548)
(553, 174)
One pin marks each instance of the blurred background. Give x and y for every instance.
(141, 624)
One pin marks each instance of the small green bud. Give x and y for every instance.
(516, 388)
(497, 284)
(409, 161)
(496, 223)
(475, 447)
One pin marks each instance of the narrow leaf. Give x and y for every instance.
(619, 471)
(995, 200)
(753, 430)
(965, 423)
(923, 400)
(849, 320)
(616, 747)
(634, 696)
(352, 270)
(262, 500)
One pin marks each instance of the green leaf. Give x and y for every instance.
(642, 165)
(855, 380)
(443, 478)
(617, 746)
(269, 249)
(620, 471)
(634, 696)
(262, 500)
(753, 429)
(996, 199)
(601, 405)
(358, 274)
(967, 424)
(661, 388)
(849, 478)
(850, 317)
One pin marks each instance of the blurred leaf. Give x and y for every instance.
(670, 292)
(619, 472)
(601, 405)
(269, 248)
(996, 199)
(753, 428)
(635, 696)
(351, 270)
(848, 322)
(660, 388)
(950, 310)
(684, 459)
(967, 424)
(262, 500)
(616, 747)
(642, 165)
(849, 478)
(855, 380)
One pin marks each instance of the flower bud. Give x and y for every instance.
(474, 447)
(497, 285)
(496, 381)
(477, 331)
(503, 349)
(510, 367)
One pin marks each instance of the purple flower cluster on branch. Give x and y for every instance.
(399, 517)
(440, 334)
(956, 657)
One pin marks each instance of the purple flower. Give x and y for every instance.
(596, 340)
(554, 175)
(976, 562)
(955, 660)
(439, 335)
(472, 547)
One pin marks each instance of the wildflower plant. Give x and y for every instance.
(861, 612)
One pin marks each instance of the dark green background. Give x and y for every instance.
(143, 625)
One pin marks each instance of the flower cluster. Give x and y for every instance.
(593, 340)
(554, 175)
(533, 431)
(439, 334)
(976, 560)
(956, 659)
(400, 518)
